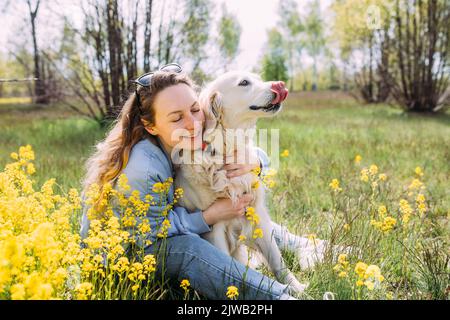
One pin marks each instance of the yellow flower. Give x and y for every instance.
(406, 210)
(84, 290)
(382, 177)
(144, 227)
(255, 184)
(415, 184)
(358, 159)
(364, 175)
(258, 233)
(185, 284)
(122, 183)
(14, 155)
(373, 170)
(252, 216)
(242, 238)
(232, 292)
(359, 283)
(342, 259)
(334, 184)
(18, 292)
(135, 287)
(420, 202)
(382, 210)
(26, 152)
(269, 178)
(342, 274)
(149, 263)
(256, 171)
(30, 169)
(419, 171)
(420, 198)
(360, 269)
(158, 187)
(285, 153)
(121, 265)
(178, 193)
(346, 227)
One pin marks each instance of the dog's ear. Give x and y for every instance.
(213, 108)
(216, 105)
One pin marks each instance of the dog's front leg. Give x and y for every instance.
(272, 254)
(218, 237)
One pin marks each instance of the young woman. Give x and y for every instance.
(139, 145)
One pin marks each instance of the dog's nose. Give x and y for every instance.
(281, 93)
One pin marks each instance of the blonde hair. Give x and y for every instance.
(112, 154)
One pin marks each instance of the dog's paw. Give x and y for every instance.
(294, 286)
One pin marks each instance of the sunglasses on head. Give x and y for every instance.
(146, 79)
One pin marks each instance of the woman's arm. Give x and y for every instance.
(222, 209)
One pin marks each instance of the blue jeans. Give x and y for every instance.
(210, 271)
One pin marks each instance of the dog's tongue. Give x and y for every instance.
(280, 90)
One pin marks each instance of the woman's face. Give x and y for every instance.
(178, 118)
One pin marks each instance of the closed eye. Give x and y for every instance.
(244, 83)
(194, 111)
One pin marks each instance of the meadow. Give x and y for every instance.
(390, 201)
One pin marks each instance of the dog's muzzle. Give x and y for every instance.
(280, 94)
(269, 108)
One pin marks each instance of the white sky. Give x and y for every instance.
(255, 16)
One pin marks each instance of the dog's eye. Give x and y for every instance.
(244, 83)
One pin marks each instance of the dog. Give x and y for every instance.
(235, 100)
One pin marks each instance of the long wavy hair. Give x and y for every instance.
(112, 153)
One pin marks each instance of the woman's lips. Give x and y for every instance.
(192, 137)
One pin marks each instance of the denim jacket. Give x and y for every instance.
(149, 163)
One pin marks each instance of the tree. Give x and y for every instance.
(362, 27)
(292, 29)
(406, 46)
(196, 30)
(315, 40)
(147, 34)
(229, 36)
(40, 94)
(274, 61)
(421, 46)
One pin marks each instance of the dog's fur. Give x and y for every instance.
(227, 106)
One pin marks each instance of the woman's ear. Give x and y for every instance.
(152, 130)
(149, 128)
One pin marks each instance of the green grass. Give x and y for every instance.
(324, 135)
(323, 132)
(62, 141)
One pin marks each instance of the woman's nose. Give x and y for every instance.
(190, 121)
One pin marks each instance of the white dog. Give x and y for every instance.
(235, 100)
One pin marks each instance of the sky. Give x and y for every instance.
(255, 17)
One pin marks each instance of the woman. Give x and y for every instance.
(139, 146)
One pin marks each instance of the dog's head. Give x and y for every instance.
(239, 98)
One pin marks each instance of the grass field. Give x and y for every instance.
(323, 133)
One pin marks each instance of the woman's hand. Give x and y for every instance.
(222, 209)
(235, 169)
